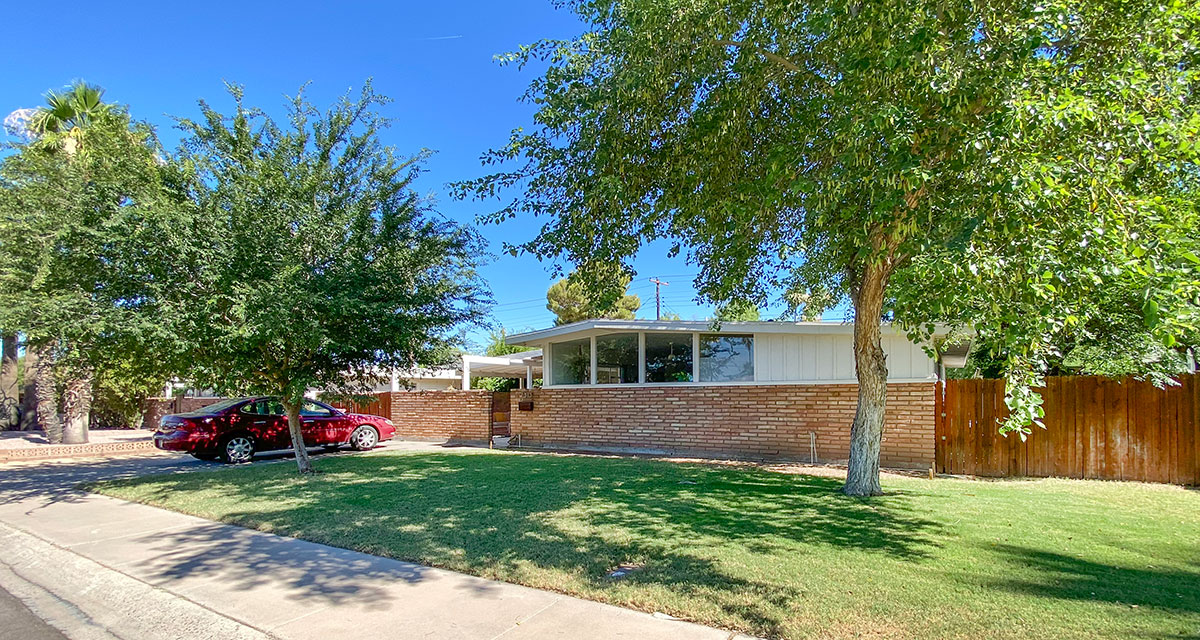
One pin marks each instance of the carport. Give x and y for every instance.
(524, 366)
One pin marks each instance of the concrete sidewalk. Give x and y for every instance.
(160, 574)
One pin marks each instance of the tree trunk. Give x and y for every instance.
(9, 393)
(295, 428)
(47, 404)
(870, 366)
(77, 409)
(29, 420)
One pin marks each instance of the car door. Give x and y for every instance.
(320, 423)
(265, 420)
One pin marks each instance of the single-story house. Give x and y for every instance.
(740, 389)
(421, 379)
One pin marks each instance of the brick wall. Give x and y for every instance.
(153, 409)
(442, 415)
(753, 421)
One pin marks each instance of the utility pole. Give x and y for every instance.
(658, 285)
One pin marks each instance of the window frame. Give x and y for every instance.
(692, 368)
(700, 337)
(589, 377)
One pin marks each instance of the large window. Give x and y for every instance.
(726, 358)
(571, 362)
(668, 357)
(617, 358)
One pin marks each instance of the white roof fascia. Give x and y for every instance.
(588, 328)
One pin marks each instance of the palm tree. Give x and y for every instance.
(61, 120)
(69, 110)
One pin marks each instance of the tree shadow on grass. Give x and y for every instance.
(1064, 577)
(530, 518)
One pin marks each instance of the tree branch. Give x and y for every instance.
(769, 55)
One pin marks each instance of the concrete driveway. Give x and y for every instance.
(97, 567)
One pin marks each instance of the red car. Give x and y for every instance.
(234, 430)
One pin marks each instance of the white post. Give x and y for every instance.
(593, 360)
(395, 381)
(528, 376)
(641, 357)
(466, 382)
(695, 357)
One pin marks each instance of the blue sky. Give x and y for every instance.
(435, 60)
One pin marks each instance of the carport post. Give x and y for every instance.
(466, 385)
(528, 376)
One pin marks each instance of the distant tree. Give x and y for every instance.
(855, 150)
(580, 296)
(738, 311)
(314, 262)
(498, 344)
(83, 207)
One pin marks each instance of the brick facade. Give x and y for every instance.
(153, 409)
(442, 415)
(752, 421)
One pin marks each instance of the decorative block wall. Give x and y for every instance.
(752, 421)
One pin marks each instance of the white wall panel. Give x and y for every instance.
(808, 357)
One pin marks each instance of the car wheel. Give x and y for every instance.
(238, 449)
(364, 438)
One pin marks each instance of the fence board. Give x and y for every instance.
(1095, 428)
(380, 405)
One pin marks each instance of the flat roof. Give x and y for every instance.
(590, 327)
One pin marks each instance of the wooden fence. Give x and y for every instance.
(1095, 428)
(381, 405)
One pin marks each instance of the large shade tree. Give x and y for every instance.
(848, 150)
(312, 263)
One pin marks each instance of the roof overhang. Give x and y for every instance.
(588, 328)
(515, 365)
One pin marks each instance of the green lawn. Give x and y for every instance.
(768, 553)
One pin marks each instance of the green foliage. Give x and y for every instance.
(1112, 341)
(498, 344)
(495, 384)
(82, 228)
(580, 296)
(70, 111)
(996, 165)
(738, 311)
(313, 263)
(120, 394)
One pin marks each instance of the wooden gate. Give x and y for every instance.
(1095, 428)
(500, 409)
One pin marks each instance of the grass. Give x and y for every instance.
(772, 554)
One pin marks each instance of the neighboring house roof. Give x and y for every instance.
(429, 374)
